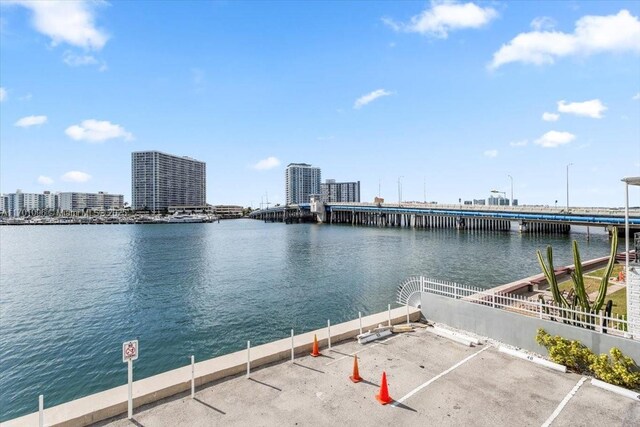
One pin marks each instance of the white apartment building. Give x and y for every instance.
(301, 181)
(100, 201)
(160, 180)
(19, 203)
(50, 201)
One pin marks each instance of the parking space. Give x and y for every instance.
(434, 381)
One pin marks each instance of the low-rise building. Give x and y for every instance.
(100, 201)
(333, 192)
(228, 211)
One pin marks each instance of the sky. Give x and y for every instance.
(448, 99)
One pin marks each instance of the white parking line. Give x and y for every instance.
(417, 389)
(360, 351)
(562, 404)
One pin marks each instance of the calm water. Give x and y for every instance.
(70, 295)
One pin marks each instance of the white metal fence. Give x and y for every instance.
(533, 307)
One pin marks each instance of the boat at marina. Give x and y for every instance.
(187, 218)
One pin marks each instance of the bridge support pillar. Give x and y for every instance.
(523, 227)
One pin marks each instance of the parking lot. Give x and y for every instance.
(433, 381)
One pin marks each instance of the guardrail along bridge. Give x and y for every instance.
(535, 219)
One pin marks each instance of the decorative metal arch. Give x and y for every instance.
(408, 290)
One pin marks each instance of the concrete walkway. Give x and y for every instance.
(437, 381)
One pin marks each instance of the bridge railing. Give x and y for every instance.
(520, 304)
(501, 208)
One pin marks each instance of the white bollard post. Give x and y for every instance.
(360, 317)
(248, 358)
(408, 321)
(292, 347)
(41, 410)
(389, 312)
(329, 333)
(130, 389)
(193, 376)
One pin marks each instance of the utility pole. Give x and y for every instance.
(425, 189)
(570, 164)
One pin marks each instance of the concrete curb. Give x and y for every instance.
(534, 359)
(113, 402)
(450, 336)
(616, 389)
(472, 340)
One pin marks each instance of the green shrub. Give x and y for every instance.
(618, 370)
(572, 354)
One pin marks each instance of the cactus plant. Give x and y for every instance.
(578, 279)
(550, 275)
(580, 296)
(604, 283)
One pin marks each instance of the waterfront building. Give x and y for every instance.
(498, 201)
(100, 201)
(15, 204)
(301, 181)
(3, 204)
(333, 191)
(50, 201)
(228, 211)
(479, 202)
(160, 180)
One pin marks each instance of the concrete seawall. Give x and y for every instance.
(537, 280)
(113, 402)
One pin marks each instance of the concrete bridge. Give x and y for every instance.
(423, 215)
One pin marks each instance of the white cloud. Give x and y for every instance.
(74, 60)
(45, 180)
(28, 121)
(3, 94)
(543, 23)
(636, 96)
(97, 131)
(370, 97)
(521, 143)
(491, 153)
(592, 108)
(550, 117)
(553, 139)
(268, 163)
(70, 22)
(75, 176)
(445, 16)
(592, 34)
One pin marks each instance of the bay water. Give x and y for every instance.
(71, 295)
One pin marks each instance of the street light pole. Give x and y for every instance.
(400, 190)
(511, 178)
(570, 164)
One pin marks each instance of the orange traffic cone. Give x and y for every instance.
(315, 352)
(383, 397)
(356, 374)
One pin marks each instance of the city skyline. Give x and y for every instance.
(451, 98)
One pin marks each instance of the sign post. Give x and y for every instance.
(129, 354)
(193, 376)
(41, 410)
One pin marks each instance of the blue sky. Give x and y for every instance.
(448, 94)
